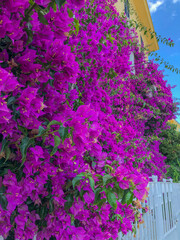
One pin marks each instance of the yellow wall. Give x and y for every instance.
(139, 12)
(176, 123)
(120, 6)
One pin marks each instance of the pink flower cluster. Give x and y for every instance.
(78, 125)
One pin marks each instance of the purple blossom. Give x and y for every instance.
(76, 72)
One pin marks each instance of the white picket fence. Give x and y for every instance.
(162, 221)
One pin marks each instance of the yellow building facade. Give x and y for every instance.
(175, 123)
(139, 12)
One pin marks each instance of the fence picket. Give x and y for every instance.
(160, 222)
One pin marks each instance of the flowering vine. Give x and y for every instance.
(79, 123)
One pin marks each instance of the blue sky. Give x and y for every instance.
(166, 20)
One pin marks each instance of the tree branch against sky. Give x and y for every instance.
(166, 23)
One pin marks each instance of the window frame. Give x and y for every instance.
(126, 8)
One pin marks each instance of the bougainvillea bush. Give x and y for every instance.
(79, 122)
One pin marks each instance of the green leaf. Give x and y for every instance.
(97, 195)
(25, 144)
(23, 130)
(12, 217)
(57, 141)
(69, 202)
(41, 131)
(42, 19)
(19, 175)
(53, 5)
(81, 194)
(5, 143)
(81, 175)
(10, 101)
(119, 217)
(76, 194)
(7, 152)
(106, 177)
(44, 11)
(69, 184)
(111, 198)
(93, 164)
(60, 3)
(2, 189)
(92, 183)
(100, 203)
(31, 2)
(30, 35)
(70, 13)
(43, 212)
(63, 131)
(119, 191)
(53, 122)
(3, 171)
(51, 205)
(77, 179)
(54, 151)
(99, 48)
(128, 197)
(3, 202)
(68, 103)
(108, 166)
(76, 25)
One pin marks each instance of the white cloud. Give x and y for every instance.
(154, 6)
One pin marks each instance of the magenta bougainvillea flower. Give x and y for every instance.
(79, 124)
